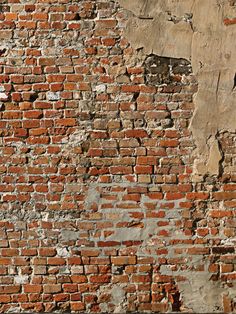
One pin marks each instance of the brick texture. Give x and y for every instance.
(99, 208)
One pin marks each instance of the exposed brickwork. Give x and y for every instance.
(99, 211)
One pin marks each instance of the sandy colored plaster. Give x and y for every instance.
(202, 32)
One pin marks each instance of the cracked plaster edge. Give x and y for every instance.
(208, 155)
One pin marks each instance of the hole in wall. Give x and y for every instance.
(2, 51)
(33, 97)
(176, 302)
(4, 7)
(135, 96)
(2, 106)
(165, 70)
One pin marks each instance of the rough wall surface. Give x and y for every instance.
(203, 32)
(100, 210)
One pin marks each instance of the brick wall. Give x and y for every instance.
(99, 208)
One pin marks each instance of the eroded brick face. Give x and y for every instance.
(99, 209)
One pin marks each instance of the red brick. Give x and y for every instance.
(123, 260)
(174, 196)
(198, 251)
(108, 243)
(46, 61)
(11, 16)
(224, 195)
(169, 143)
(197, 195)
(29, 7)
(77, 306)
(120, 170)
(41, 87)
(47, 252)
(70, 287)
(66, 122)
(52, 288)
(100, 279)
(9, 252)
(39, 16)
(32, 288)
(221, 213)
(21, 132)
(33, 114)
(56, 261)
(228, 21)
(143, 169)
(74, 261)
(10, 289)
(136, 133)
(5, 299)
(141, 278)
(106, 23)
(78, 278)
(130, 88)
(27, 24)
(29, 252)
(62, 297)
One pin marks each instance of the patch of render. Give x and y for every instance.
(14, 309)
(118, 298)
(69, 235)
(153, 240)
(200, 293)
(201, 32)
(74, 139)
(29, 212)
(93, 196)
(146, 229)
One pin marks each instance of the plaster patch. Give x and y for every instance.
(21, 279)
(201, 294)
(53, 95)
(195, 30)
(100, 88)
(3, 96)
(63, 252)
(118, 298)
(198, 293)
(75, 139)
(69, 235)
(93, 196)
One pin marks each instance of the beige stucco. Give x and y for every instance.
(195, 30)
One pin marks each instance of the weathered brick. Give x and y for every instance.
(77, 306)
(99, 194)
(123, 260)
(51, 288)
(100, 279)
(32, 288)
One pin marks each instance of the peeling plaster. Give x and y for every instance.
(200, 293)
(118, 298)
(202, 32)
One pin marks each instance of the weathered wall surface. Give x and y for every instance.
(203, 32)
(104, 205)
